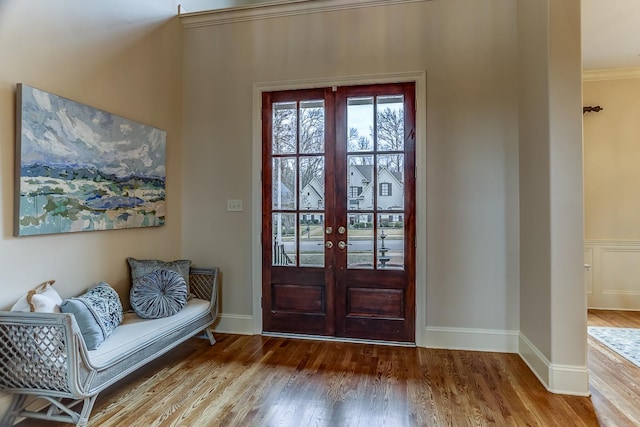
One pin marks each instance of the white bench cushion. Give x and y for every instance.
(135, 332)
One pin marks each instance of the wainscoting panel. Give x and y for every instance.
(612, 274)
(588, 270)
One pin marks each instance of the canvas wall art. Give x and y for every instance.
(79, 168)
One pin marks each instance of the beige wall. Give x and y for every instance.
(120, 56)
(125, 58)
(534, 168)
(468, 50)
(612, 159)
(611, 179)
(553, 299)
(568, 299)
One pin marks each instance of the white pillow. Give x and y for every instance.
(42, 299)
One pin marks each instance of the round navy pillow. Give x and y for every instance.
(161, 293)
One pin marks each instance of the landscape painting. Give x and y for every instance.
(83, 169)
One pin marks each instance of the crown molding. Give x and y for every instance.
(278, 9)
(611, 74)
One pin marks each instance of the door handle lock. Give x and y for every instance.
(342, 244)
(329, 230)
(329, 244)
(341, 230)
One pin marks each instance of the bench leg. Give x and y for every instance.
(87, 406)
(10, 416)
(212, 339)
(55, 410)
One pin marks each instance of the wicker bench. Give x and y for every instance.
(43, 356)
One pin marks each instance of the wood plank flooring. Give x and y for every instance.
(614, 381)
(267, 381)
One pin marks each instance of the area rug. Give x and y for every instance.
(624, 341)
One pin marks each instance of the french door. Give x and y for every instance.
(338, 213)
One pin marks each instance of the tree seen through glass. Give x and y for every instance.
(298, 177)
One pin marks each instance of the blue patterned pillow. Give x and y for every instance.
(161, 293)
(98, 312)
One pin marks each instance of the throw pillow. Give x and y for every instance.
(161, 293)
(43, 298)
(142, 267)
(98, 312)
(45, 344)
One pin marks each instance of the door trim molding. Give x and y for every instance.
(420, 79)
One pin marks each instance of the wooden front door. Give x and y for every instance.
(338, 214)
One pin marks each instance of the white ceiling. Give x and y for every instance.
(610, 34)
(610, 28)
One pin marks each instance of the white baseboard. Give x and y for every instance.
(569, 379)
(433, 337)
(560, 379)
(535, 360)
(234, 324)
(470, 339)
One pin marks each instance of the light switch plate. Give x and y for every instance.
(234, 205)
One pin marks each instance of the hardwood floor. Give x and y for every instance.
(614, 381)
(266, 381)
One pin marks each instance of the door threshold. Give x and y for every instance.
(338, 339)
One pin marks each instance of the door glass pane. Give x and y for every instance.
(360, 182)
(284, 126)
(390, 181)
(311, 182)
(390, 245)
(312, 239)
(360, 241)
(390, 123)
(312, 126)
(359, 124)
(284, 183)
(284, 239)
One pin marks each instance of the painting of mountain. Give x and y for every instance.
(83, 169)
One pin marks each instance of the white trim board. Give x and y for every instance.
(609, 242)
(277, 10)
(559, 379)
(234, 324)
(337, 339)
(611, 74)
(611, 278)
(470, 339)
(420, 79)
